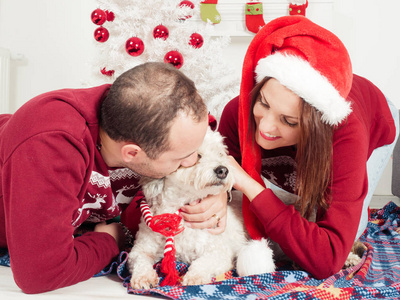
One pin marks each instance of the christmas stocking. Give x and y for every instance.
(208, 11)
(254, 16)
(298, 7)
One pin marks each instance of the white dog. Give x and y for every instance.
(208, 255)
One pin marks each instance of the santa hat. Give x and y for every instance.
(308, 60)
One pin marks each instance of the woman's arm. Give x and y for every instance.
(244, 182)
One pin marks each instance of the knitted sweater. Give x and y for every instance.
(53, 179)
(321, 248)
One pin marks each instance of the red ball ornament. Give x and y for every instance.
(98, 16)
(189, 4)
(134, 46)
(101, 34)
(161, 32)
(196, 40)
(174, 58)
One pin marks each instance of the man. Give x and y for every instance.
(74, 157)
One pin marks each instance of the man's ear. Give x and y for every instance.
(130, 152)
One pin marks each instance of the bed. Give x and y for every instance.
(377, 276)
(104, 287)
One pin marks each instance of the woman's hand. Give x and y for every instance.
(244, 182)
(209, 212)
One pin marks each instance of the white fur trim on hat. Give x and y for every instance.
(301, 78)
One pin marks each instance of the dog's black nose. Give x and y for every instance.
(221, 172)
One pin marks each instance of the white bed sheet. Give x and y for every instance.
(104, 287)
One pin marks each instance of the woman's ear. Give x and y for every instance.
(130, 152)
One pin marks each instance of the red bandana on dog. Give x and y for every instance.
(168, 225)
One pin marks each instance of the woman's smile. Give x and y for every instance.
(269, 137)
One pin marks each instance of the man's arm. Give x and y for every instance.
(45, 177)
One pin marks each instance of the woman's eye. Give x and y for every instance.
(263, 103)
(290, 123)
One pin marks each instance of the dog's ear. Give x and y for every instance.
(151, 188)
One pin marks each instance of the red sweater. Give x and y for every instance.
(53, 179)
(321, 248)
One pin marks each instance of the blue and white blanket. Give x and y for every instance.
(377, 276)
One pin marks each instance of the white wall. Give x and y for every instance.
(52, 45)
(51, 42)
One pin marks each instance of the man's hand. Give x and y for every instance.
(209, 212)
(113, 229)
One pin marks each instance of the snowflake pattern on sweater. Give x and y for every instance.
(272, 168)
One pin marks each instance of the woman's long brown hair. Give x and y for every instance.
(313, 156)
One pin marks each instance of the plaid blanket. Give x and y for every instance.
(377, 276)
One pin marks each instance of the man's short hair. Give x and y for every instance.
(142, 103)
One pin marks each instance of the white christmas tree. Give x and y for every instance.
(200, 56)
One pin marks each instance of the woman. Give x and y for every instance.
(305, 123)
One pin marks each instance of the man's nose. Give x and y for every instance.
(190, 160)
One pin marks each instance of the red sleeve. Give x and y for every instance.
(228, 127)
(321, 248)
(45, 176)
(130, 217)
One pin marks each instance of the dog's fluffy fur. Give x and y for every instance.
(208, 255)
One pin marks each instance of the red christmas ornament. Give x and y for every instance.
(196, 40)
(98, 16)
(101, 34)
(174, 58)
(189, 4)
(161, 32)
(134, 46)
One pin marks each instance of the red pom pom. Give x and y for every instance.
(110, 16)
(107, 73)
